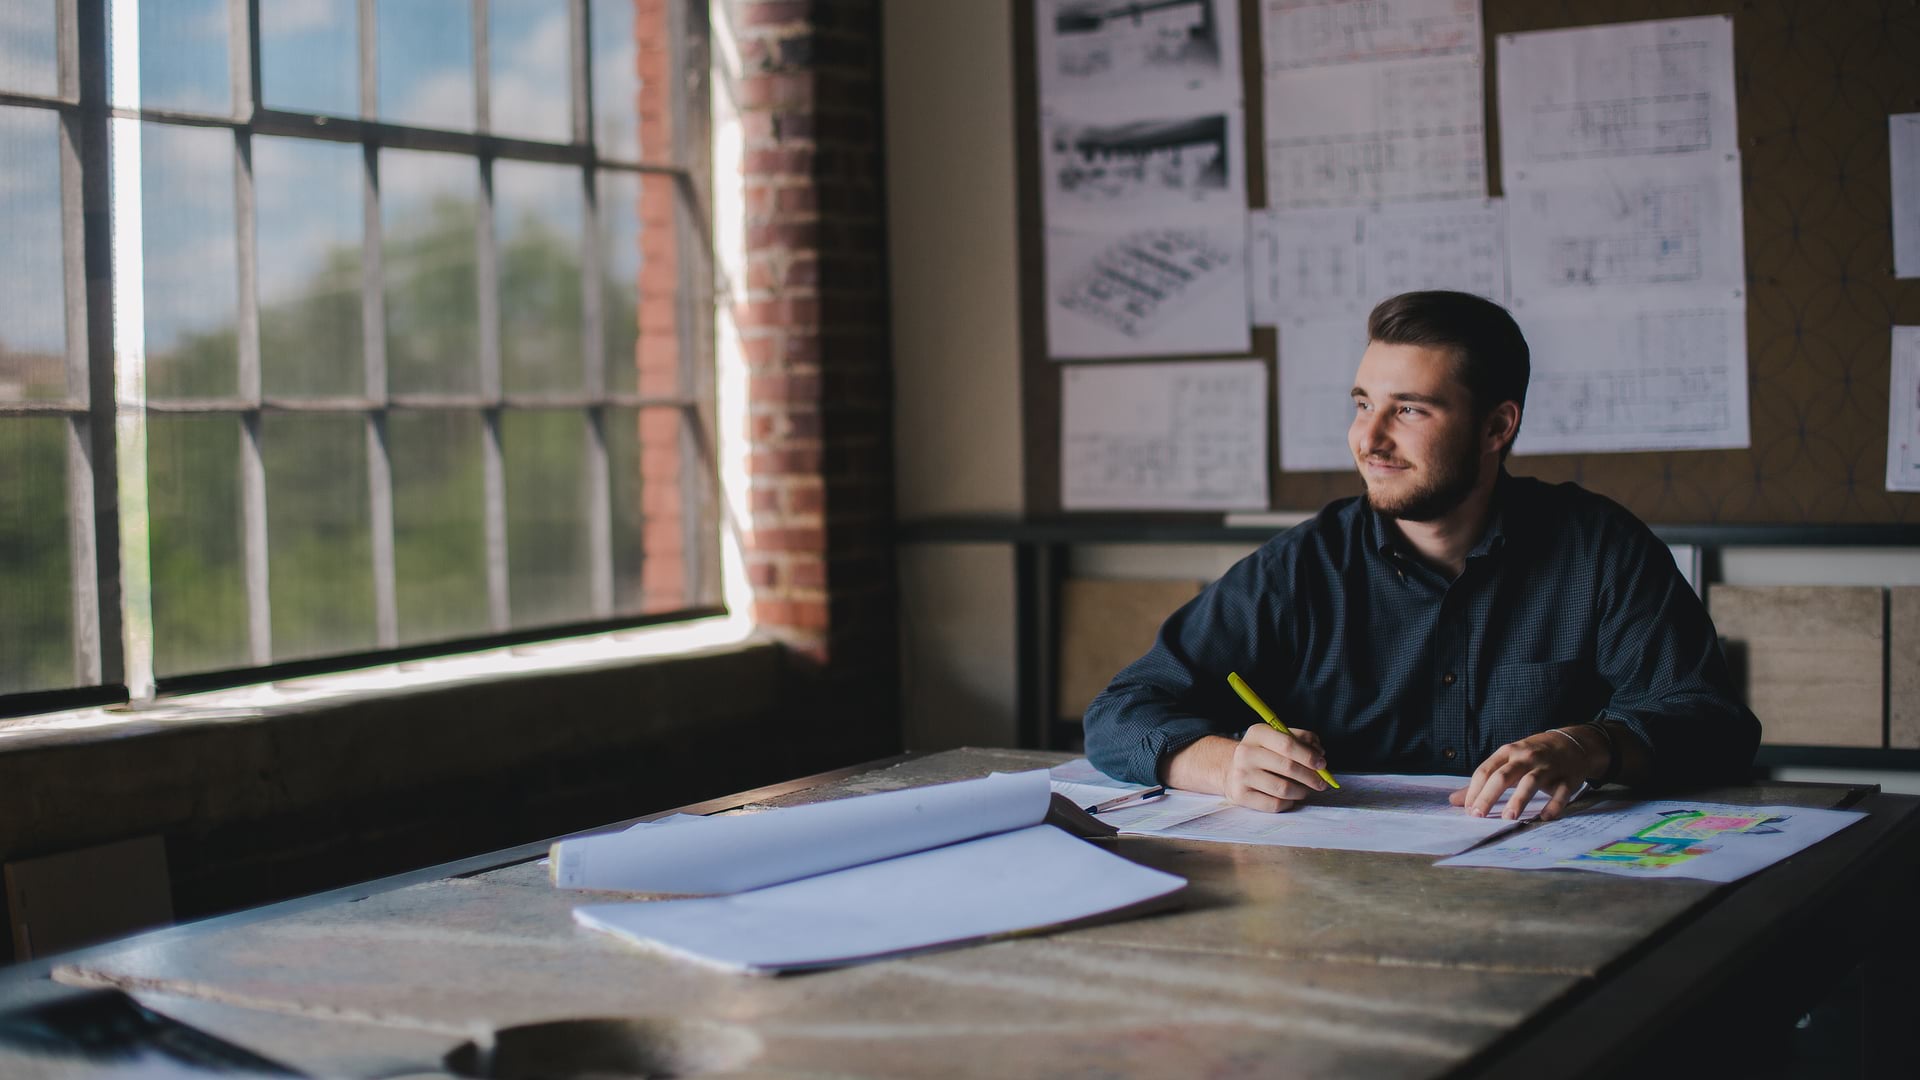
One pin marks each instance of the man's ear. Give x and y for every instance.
(1502, 424)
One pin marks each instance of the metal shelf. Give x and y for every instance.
(1040, 546)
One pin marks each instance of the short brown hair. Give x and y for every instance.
(1494, 362)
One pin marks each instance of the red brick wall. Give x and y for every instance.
(812, 314)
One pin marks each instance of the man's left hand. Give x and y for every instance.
(1551, 761)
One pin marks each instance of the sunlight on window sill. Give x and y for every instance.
(260, 700)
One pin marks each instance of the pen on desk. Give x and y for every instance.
(1253, 702)
(1153, 792)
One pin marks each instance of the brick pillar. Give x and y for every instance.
(812, 315)
(663, 569)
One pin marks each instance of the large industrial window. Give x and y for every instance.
(342, 329)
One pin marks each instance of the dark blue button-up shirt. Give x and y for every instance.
(1569, 610)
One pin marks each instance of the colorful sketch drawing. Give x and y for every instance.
(1675, 838)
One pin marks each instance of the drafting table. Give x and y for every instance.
(1282, 962)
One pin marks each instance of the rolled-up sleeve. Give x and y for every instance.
(1177, 692)
(1656, 648)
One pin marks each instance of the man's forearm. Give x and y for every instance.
(1201, 765)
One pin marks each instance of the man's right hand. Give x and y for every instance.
(1264, 770)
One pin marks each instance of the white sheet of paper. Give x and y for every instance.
(1187, 435)
(1320, 266)
(1707, 841)
(1086, 786)
(1263, 257)
(748, 851)
(1392, 813)
(1903, 412)
(1088, 47)
(1626, 237)
(1649, 379)
(1641, 91)
(1372, 101)
(1320, 33)
(1385, 131)
(1329, 262)
(1459, 245)
(1318, 359)
(1153, 290)
(1903, 156)
(997, 884)
(1117, 162)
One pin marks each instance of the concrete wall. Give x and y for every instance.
(956, 353)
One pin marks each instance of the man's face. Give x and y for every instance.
(1414, 435)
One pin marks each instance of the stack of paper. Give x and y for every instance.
(855, 879)
(1368, 813)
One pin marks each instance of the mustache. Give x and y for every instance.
(1384, 459)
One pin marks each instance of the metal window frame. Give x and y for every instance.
(101, 643)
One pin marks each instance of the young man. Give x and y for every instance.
(1455, 618)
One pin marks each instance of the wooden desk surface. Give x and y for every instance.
(1288, 961)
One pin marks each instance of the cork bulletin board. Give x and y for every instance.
(1814, 85)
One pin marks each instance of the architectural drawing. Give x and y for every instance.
(1460, 246)
(1317, 362)
(1663, 230)
(1636, 380)
(1630, 91)
(1147, 292)
(1624, 198)
(1314, 33)
(1319, 263)
(1903, 411)
(1387, 131)
(1097, 46)
(1101, 173)
(1188, 435)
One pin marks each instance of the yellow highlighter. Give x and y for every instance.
(1253, 702)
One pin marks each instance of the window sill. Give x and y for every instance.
(265, 701)
(267, 792)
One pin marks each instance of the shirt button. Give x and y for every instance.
(1447, 753)
(1447, 680)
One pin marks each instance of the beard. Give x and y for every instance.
(1449, 480)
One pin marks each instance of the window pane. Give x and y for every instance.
(439, 524)
(319, 536)
(529, 65)
(27, 49)
(539, 209)
(616, 80)
(183, 56)
(426, 63)
(548, 579)
(33, 320)
(195, 544)
(36, 604)
(629, 542)
(429, 211)
(191, 275)
(309, 235)
(309, 55)
(619, 214)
